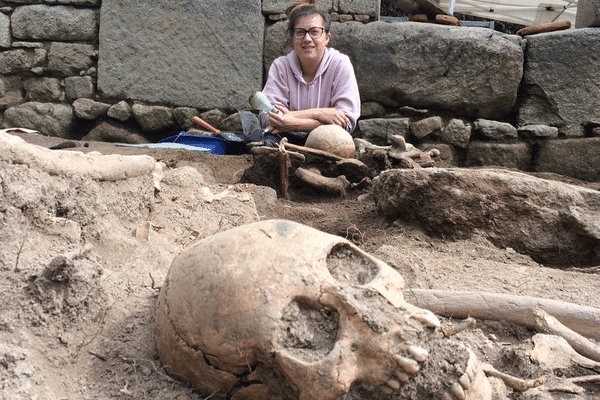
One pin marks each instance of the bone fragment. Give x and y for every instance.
(515, 383)
(433, 153)
(362, 145)
(329, 185)
(548, 324)
(363, 184)
(418, 353)
(398, 147)
(554, 352)
(504, 307)
(424, 160)
(315, 152)
(112, 167)
(408, 365)
(410, 163)
(413, 152)
(284, 167)
(586, 379)
(465, 324)
(260, 150)
(400, 150)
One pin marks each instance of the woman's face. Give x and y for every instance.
(311, 50)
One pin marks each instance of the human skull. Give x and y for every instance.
(278, 310)
(333, 139)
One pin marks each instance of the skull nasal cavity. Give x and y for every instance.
(307, 334)
(346, 265)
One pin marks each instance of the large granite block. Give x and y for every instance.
(280, 6)
(577, 158)
(41, 22)
(560, 80)
(196, 53)
(368, 7)
(588, 14)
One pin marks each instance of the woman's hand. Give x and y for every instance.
(305, 120)
(286, 121)
(332, 116)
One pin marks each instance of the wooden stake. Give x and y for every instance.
(314, 152)
(260, 150)
(284, 167)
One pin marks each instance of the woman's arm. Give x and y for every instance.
(345, 94)
(306, 120)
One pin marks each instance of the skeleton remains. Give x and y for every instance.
(320, 166)
(278, 310)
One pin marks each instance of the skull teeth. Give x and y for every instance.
(407, 364)
(471, 368)
(427, 318)
(418, 353)
(386, 390)
(458, 391)
(402, 377)
(394, 384)
(465, 381)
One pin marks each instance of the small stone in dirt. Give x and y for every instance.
(60, 269)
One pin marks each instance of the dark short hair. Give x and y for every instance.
(296, 11)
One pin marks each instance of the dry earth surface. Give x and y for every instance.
(81, 326)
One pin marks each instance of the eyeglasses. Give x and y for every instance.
(314, 32)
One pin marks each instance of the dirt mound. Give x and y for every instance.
(79, 288)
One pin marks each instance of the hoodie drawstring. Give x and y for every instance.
(318, 94)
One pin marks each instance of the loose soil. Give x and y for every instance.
(79, 289)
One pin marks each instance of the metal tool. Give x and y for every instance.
(231, 136)
(260, 101)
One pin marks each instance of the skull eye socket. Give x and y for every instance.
(306, 333)
(345, 265)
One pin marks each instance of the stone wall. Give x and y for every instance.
(138, 70)
(588, 14)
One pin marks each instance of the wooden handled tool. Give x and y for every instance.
(205, 125)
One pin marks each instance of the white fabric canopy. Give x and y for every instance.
(523, 12)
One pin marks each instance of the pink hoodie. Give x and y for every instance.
(334, 85)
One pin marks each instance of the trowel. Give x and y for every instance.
(250, 123)
(231, 136)
(260, 101)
